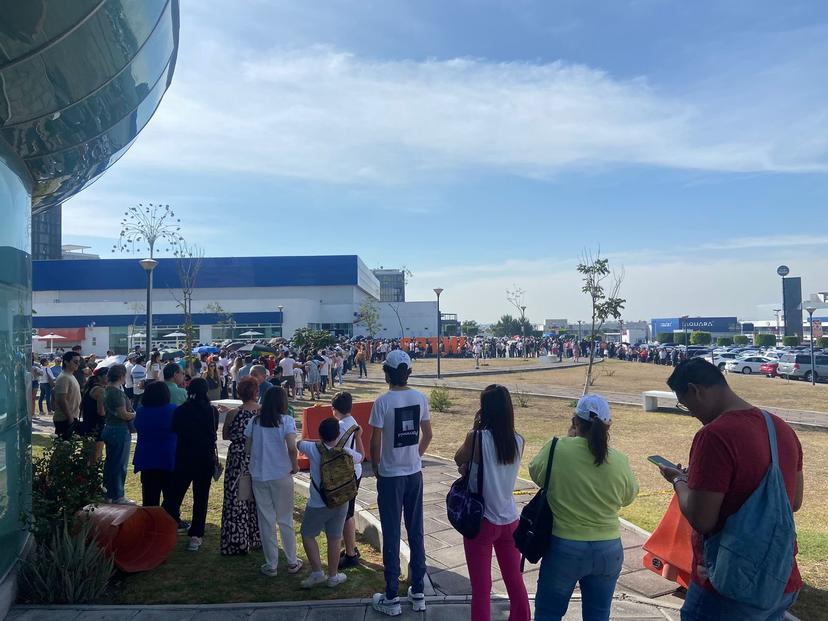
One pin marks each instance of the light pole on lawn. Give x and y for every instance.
(438, 291)
(684, 319)
(149, 265)
(777, 311)
(810, 310)
(281, 320)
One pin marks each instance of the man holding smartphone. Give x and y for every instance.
(729, 460)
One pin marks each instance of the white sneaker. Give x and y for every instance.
(316, 578)
(335, 581)
(123, 500)
(390, 607)
(267, 570)
(418, 602)
(194, 545)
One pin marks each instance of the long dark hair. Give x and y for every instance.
(498, 416)
(597, 435)
(197, 391)
(274, 406)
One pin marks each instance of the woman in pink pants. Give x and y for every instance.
(500, 449)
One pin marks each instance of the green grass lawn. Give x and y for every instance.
(206, 577)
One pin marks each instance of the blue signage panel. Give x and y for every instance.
(717, 325)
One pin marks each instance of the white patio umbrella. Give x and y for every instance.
(176, 336)
(110, 360)
(138, 335)
(51, 337)
(251, 333)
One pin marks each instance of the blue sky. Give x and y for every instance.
(486, 144)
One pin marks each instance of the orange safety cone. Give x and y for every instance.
(139, 538)
(669, 550)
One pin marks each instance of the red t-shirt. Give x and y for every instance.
(731, 455)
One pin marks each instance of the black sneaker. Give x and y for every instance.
(346, 561)
(183, 527)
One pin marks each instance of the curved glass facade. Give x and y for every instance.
(79, 79)
(15, 357)
(78, 82)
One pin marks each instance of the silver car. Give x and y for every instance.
(798, 366)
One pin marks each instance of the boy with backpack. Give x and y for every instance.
(342, 404)
(333, 485)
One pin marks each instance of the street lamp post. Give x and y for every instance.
(523, 329)
(149, 265)
(281, 320)
(811, 310)
(579, 332)
(777, 311)
(684, 319)
(438, 291)
(782, 271)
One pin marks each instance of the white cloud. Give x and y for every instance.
(325, 115)
(770, 241)
(667, 284)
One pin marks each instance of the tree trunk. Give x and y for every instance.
(588, 382)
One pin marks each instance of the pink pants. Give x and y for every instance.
(479, 561)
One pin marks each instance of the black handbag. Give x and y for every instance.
(535, 526)
(465, 507)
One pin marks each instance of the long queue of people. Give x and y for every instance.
(587, 483)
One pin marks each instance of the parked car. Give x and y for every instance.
(769, 368)
(747, 365)
(798, 366)
(720, 360)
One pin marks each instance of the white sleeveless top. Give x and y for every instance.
(498, 481)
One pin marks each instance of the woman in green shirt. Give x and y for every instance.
(116, 435)
(588, 484)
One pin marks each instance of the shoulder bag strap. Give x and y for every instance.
(549, 464)
(774, 450)
(346, 436)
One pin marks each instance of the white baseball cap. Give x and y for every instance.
(395, 358)
(594, 406)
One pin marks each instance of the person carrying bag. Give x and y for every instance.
(584, 492)
(488, 516)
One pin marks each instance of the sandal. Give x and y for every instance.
(296, 567)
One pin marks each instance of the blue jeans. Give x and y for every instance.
(596, 565)
(45, 395)
(701, 605)
(117, 440)
(402, 497)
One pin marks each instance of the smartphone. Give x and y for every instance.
(658, 460)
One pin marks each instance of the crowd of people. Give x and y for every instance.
(587, 480)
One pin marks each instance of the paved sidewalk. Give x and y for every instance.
(446, 559)
(439, 609)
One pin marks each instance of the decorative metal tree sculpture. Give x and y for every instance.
(147, 225)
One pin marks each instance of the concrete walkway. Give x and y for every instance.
(446, 559)
(438, 609)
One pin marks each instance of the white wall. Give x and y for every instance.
(417, 318)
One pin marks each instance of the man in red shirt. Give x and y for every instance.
(729, 458)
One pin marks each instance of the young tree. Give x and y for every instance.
(469, 328)
(516, 297)
(314, 340)
(396, 309)
(225, 322)
(603, 295)
(369, 316)
(190, 258)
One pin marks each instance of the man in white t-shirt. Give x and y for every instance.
(139, 375)
(324, 369)
(286, 364)
(401, 433)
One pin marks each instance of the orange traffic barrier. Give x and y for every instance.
(311, 417)
(139, 538)
(669, 550)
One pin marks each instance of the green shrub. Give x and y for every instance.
(790, 341)
(823, 342)
(63, 482)
(664, 337)
(66, 568)
(440, 400)
(678, 338)
(701, 338)
(520, 397)
(724, 341)
(764, 340)
(740, 339)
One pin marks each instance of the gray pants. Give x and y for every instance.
(402, 497)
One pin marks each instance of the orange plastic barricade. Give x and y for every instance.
(139, 538)
(311, 417)
(669, 550)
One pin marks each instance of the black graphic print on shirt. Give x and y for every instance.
(406, 426)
